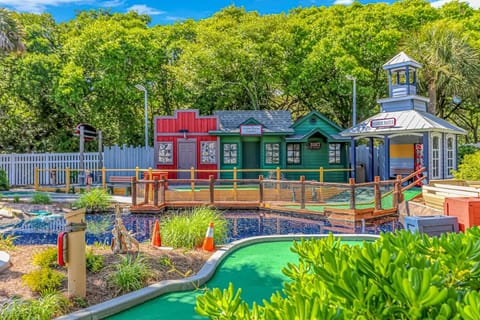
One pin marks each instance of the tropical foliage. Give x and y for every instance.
(399, 276)
(85, 70)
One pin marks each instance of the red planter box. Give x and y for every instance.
(467, 210)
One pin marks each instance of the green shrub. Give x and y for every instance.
(16, 199)
(96, 199)
(469, 169)
(94, 262)
(7, 242)
(43, 280)
(131, 274)
(99, 226)
(4, 183)
(463, 151)
(41, 198)
(44, 308)
(188, 228)
(45, 258)
(399, 276)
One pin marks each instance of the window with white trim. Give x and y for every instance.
(334, 152)
(165, 153)
(272, 153)
(208, 152)
(293, 153)
(230, 153)
(450, 155)
(435, 157)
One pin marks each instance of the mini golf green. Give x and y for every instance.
(257, 269)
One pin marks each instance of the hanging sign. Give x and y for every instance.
(314, 145)
(251, 130)
(89, 132)
(383, 123)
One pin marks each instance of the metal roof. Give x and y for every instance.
(409, 121)
(272, 121)
(400, 60)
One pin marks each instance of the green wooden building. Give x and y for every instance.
(268, 139)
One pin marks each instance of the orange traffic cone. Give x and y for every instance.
(156, 239)
(208, 244)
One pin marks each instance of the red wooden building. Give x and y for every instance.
(182, 142)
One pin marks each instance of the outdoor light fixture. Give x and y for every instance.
(142, 88)
(184, 131)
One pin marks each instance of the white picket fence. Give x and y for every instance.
(20, 168)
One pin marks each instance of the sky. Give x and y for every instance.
(170, 11)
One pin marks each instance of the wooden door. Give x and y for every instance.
(187, 157)
(251, 159)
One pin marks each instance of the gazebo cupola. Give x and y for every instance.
(402, 85)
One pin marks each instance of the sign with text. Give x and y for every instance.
(251, 130)
(383, 123)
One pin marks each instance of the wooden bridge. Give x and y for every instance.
(307, 197)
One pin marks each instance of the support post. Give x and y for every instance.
(76, 260)
(192, 178)
(162, 191)
(104, 178)
(260, 190)
(155, 191)
(351, 182)
(302, 192)
(279, 175)
(36, 179)
(211, 181)
(377, 193)
(235, 175)
(134, 191)
(67, 180)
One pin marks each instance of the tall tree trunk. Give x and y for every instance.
(432, 94)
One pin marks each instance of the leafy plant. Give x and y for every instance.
(463, 150)
(399, 276)
(96, 199)
(41, 198)
(469, 169)
(43, 280)
(7, 242)
(4, 183)
(187, 229)
(45, 258)
(94, 262)
(43, 308)
(99, 226)
(16, 199)
(131, 274)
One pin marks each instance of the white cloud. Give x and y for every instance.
(344, 2)
(38, 6)
(143, 9)
(475, 4)
(112, 3)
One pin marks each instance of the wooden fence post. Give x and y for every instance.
(377, 193)
(260, 189)
(211, 180)
(397, 190)
(36, 179)
(104, 178)
(192, 178)
(278, 176)
(162, 191)
(351, 181)
(321, 175)
(155, 191)
(302, 192)
(235, 175)
(67, 180)
(134, 191)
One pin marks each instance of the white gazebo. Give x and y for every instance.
(412, 137)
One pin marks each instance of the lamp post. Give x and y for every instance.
(142, 88)
(354, 123)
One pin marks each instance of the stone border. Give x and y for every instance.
(129, 300)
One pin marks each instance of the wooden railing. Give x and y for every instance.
(156, 192)
(65, 179)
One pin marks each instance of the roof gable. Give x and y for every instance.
(316, 120)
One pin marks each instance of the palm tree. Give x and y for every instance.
(10, 33)
(451, 67)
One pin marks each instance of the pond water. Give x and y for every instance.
(44, 229)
